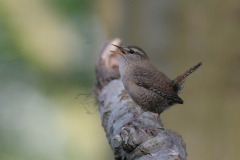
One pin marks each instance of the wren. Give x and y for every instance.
(147, 86)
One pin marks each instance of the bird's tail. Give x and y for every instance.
(179, 80)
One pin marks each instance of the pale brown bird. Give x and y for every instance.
(148, 87)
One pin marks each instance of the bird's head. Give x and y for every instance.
(131, 53)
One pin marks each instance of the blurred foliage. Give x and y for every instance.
(71, 7)
(77, 74)
(47, 55)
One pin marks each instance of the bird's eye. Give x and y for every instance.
(131, 51)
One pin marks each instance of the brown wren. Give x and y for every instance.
(148, 87)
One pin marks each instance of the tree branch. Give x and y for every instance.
(117, 108)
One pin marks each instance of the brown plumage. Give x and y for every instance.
(150, 88)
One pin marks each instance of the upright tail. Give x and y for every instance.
(179, 80)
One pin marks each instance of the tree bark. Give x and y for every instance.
(117, 108)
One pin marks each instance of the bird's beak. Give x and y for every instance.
(120, 48)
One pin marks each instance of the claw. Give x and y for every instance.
(130, 123)
(147, 130)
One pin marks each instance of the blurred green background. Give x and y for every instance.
(48, 50)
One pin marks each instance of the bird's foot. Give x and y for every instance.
(148, 130)
(130, 123)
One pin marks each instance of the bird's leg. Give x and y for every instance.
(152, 130)
(155, 121)
(130, 122)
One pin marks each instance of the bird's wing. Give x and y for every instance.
(157, 82)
